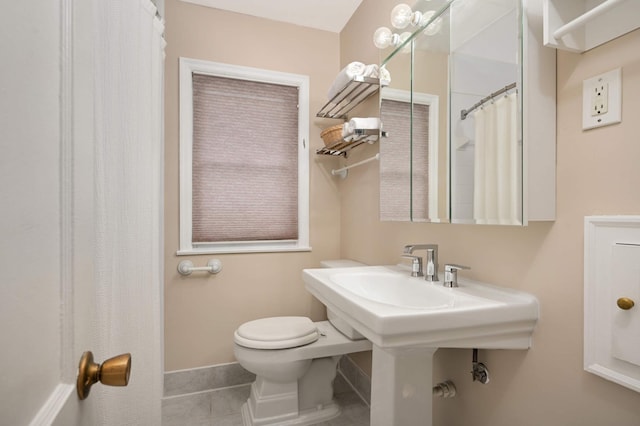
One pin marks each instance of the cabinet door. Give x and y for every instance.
(611, 293)
(625, 290)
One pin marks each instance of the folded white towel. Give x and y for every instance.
(361, 123)
(364, 123)
(371, 71)
(345, 76)
(368, 139)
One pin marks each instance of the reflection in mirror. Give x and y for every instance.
(430, 75)
(486, 135)
(471, 61)
(414, 155)
(408, 167)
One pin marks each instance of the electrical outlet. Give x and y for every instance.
(602, 100)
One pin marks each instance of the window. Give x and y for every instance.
(244, 162)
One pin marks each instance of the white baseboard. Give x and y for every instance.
(55, 405)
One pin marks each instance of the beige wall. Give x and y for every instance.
(202, 311)
(598, 173)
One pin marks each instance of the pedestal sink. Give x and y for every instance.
(407, 319)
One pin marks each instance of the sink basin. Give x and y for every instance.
(393, 309)
(393, 289)
(407, 319)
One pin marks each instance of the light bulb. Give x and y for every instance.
(434, 27)
(382, 37)
(401, 15)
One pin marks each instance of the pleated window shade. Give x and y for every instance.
(404, 170)
(420, 164)
(245, 160)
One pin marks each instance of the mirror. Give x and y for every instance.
(462, 170)
(486, 139)
(413, 109)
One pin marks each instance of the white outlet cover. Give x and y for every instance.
(612, 80)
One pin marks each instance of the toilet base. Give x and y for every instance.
(304, 418)
(303, 398)
(306, 401)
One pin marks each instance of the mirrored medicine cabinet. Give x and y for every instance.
(470, 117)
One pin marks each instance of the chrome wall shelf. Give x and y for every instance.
(351, 95)
(342, 147)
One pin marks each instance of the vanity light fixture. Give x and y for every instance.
(402, 16)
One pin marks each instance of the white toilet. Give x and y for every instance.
(295, 362)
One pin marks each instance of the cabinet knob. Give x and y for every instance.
(625, 303)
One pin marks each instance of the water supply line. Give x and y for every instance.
(480, 372)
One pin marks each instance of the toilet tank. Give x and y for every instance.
(336, 321)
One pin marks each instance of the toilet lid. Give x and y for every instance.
(276, 333)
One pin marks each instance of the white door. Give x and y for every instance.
(80, 208)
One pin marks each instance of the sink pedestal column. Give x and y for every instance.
(402, 386)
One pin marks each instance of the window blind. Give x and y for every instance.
(245, 160)
(420, 163)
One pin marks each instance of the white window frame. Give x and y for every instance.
(188, 67)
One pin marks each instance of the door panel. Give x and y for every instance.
(81, 227)
(29, 208)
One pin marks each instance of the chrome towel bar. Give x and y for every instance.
(342, 172)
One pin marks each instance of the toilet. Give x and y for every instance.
(295, 362)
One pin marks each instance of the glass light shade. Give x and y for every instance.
(434, 27)
(382, 37)
(401, 16)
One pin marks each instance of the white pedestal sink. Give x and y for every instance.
(407, 319)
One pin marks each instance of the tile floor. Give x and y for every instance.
(221, 407)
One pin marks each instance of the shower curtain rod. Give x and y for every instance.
(465, 112)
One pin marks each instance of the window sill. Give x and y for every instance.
(242, 249)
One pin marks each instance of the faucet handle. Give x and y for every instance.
(416, 265)
(451, 274)
(408, 249)
(452, 266)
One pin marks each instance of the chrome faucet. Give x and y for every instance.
(430, 271)
(451, 274)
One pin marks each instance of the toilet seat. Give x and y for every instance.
(276, 333)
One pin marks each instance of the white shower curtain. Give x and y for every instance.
(128, 85)
(496, 197)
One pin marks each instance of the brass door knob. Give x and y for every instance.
(625, 303)
(113, 372)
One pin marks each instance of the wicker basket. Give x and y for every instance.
(332, 135)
